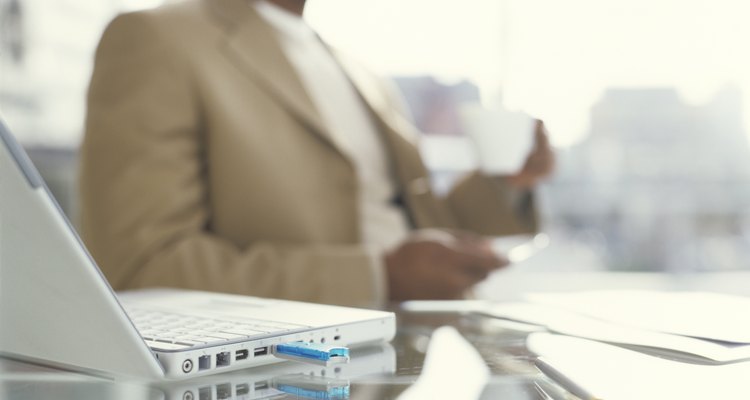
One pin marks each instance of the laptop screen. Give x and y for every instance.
(22, 160)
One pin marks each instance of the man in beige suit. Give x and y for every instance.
(227, 149)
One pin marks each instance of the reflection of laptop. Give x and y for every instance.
(303, 381)
(57, 308)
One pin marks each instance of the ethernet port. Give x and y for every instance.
(223, 359)
(223, 391)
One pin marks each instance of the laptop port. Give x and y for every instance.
(223, 358)
(242, 389)
(204, 393)
(261, 385)
(187, 365)
(260, 351)
(241, 355)
(223, 391)
(204, 362)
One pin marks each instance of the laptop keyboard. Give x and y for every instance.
(173, 331)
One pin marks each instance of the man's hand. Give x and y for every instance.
(539, 164)
(439, 265)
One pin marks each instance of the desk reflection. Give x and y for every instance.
(289, 378)
(374, 372)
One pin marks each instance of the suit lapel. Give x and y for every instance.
(399, 135)
(389, 122)
(252, 45)
(385, 115)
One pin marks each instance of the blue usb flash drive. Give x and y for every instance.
(311, 352)
(334, 393)
(312, 387)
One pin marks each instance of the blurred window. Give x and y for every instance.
(647, 101)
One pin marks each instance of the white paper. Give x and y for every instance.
(503, 139)
(711, 316)
(607, 372)
(568, 323)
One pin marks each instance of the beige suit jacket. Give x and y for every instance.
(205, 165)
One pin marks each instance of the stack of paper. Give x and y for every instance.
(592, 370)
(702, 341)
(699, 327)
(698, 314)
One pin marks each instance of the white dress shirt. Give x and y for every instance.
(383, 224)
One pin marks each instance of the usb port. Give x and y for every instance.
(260, 351)
(241, 355)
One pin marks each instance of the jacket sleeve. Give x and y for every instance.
(487, 205)
(146, 211)
(478, 202)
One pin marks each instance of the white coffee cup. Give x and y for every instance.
(503, 139)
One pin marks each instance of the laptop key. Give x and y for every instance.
(164, 335)
(244, 332)
(191, 342)
(165, 346)
(209, 340)
(225, 336)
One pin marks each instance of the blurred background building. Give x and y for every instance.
(651, 124)
(660, 184)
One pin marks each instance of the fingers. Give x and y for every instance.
(460, 278)
(477, 264)
(542, 156)
(475, 248)
(468, 237)
(541, 137)
(437, 264)
(432, 235)
(468, 263)
(539, 164)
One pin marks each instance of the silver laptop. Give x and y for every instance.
(57, 308)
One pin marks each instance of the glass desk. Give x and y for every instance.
(379, 372)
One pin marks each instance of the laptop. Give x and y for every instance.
(56, 307)
(287, 380)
